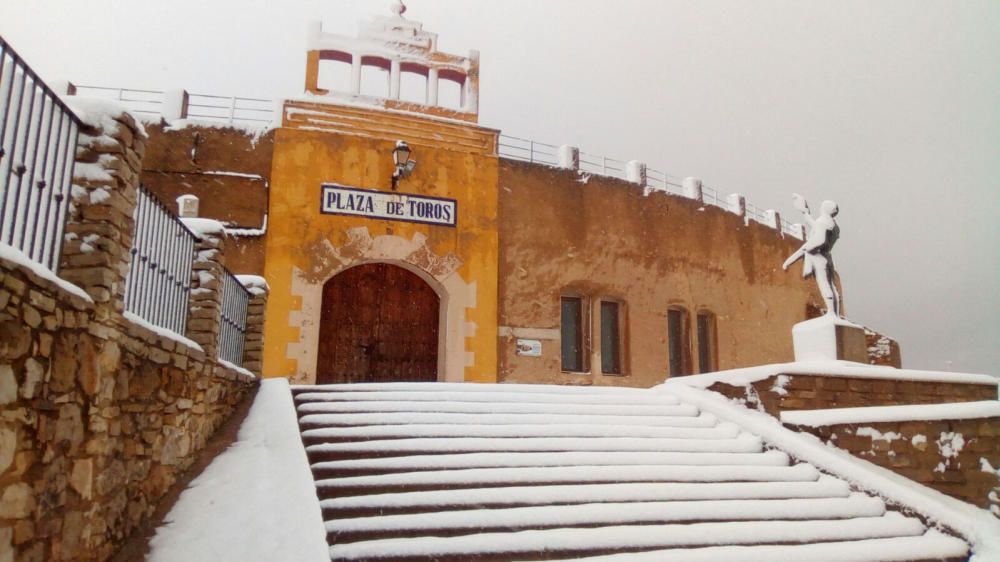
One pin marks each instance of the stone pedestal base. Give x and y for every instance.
(829, 338)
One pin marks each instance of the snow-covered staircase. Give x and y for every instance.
(436, 471)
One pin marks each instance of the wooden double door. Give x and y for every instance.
(379, 323)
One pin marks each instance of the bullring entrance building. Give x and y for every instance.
(403, 241)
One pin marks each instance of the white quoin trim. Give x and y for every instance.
(569, 157)
(635, 172)
(737, 204)
(692, 189)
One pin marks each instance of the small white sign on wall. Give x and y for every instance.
(529, 348)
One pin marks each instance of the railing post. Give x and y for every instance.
(569, 157)
(175, 105)
(799, 230)
(99, 225)
(208, 270)
(253, 343)
(773, 219)
(692, 189)
(635, 172)
(737, 204)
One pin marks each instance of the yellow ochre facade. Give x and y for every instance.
(305, 247)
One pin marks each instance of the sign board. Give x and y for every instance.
(529, 348)
(387, 205)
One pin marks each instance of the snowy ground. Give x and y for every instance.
(256, 501)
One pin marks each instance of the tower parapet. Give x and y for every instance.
(396, 45)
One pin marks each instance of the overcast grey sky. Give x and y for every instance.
(891, 108)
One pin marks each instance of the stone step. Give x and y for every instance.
(744, 443)
(455, 523)
(467, 387)
(481, 478)
(360, 433)
(312, 421)
(527, 496)
(497, 396)
(542, 544)
(336, 469)
(684, 410)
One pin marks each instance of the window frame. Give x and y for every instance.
(711, 347)
(684, 344)
(583, 333)
(620, 339)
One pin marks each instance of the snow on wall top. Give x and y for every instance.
(743, 377)
(874, 414)
(100, 113)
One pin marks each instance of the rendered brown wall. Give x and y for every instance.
(228, 169)
(602, 237)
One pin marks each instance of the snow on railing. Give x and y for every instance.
(186, 105)
(38, 136)
(233, 319)
(159, 278)
(649, 179)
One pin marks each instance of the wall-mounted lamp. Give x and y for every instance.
(404, 166)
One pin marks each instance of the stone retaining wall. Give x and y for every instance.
(816, 392)
(957, 457)
(98, 419)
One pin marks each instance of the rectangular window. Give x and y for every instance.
(706, 342)
(611, 341)
(677, 342)
(571, 334)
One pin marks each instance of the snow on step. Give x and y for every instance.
(468, 387)
(824, 487)
(721, 431)
(400, 418)
(744, 443)
(933, 545)
(856, 505)
(565, 474)
(516, 397)
(633, 537)
(499, 408)
(566, 458)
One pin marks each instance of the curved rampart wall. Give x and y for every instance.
(563, 233)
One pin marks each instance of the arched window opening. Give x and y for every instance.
(375, 77)
(413, 83)
(450, 84)
(707, 352)
(678, 342)
(335, 72)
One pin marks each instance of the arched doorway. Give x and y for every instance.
(379, 323)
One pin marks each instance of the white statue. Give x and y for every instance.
(815, 252)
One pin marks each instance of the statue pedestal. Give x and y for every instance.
(829, 338)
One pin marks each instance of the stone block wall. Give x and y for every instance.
(957, 457)
(97, 419)
(816, 392)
